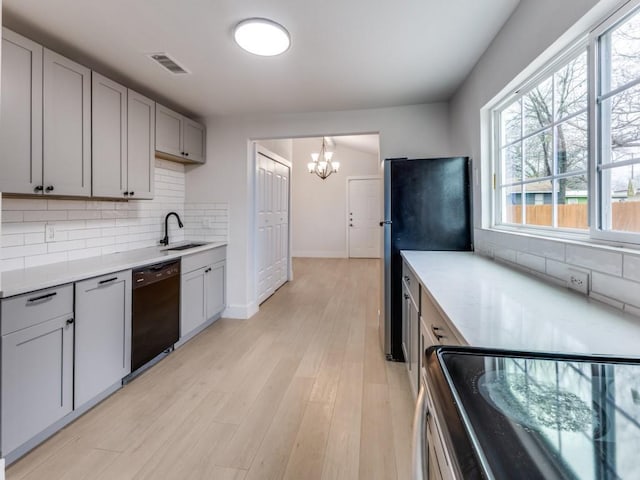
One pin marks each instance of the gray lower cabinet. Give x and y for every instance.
(214, 284)
(193, 308)
(103, 334)
(411, 325)
(202, 289)
(37, 363)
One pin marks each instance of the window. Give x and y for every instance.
(567, 143)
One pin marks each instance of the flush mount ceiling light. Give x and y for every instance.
(262, 36)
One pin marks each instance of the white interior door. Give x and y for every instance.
(364, 217)
(272, 215)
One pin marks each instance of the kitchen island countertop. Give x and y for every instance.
(15, 282)
(492, 305)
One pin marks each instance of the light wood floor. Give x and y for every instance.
(300, 391)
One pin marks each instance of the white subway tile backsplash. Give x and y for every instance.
(20, 204)
(12, 216)
(595, 259)
(505, 254)
(608, 300)
(533, 262)
(85, 228)
(546, 248)
(632, 310)
(615, 287)
(559, 270)
(44, 215)
(631, 267)
(615, 276)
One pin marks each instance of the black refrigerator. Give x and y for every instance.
(427, 206)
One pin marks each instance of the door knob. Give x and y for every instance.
(351, 224)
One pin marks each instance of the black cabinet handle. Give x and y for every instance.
(125, 193)
(49, 188)
(70, 321)
(108, 280)
(186, 154)
(43, 297)
(406, 297)
(132, 193)
(38, 188)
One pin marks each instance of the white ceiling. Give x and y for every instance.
(345, 54)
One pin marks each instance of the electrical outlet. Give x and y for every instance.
(50, 232)
(578, 280)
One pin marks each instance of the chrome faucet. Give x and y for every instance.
(165, 240)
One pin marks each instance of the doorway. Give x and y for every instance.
(364, 196)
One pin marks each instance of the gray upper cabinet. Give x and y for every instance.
(179, 137)
(103, 334)
(168, 131)
(123, 142)
(37, 363)
(109, 137)
(20, 114)
(141, 115)
(193, 135)
(67, 126)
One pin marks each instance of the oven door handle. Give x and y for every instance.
(420, 460)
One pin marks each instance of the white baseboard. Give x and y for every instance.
(320, 253)
(241, 312)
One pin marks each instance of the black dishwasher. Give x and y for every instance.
(155, 318)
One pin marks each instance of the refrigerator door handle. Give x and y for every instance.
(385, 222)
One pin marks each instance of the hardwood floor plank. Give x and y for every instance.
(271, 459)
(377, 456)
(341, 460)
(307, 457)
(299, 391)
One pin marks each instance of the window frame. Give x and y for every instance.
(577, 48)
(589, 41)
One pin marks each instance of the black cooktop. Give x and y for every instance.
(544, 416)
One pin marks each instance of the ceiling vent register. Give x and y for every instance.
(168, 63)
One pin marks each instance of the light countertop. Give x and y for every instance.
(15, 282)
(492, 305)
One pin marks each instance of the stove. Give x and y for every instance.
(506, 414)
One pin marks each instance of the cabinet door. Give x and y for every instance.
(103, 334)
(168, 131)
(141, 145)
(20, 114)
(193, 298)
(37, 380)
(67, 126)
(109, 137)
(193, 140)
(406, 324)
(215, 289)
(414, 350)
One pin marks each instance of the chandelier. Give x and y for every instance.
(322, 165)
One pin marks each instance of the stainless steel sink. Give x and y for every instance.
(186, 246)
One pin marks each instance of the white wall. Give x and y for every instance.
(418, 130)
(536, 31)
(318, 207)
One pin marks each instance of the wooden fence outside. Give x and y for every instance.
(626, 215)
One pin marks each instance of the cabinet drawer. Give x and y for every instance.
(202, 259)
(412, 283)
(434, 324)
(23, 311)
